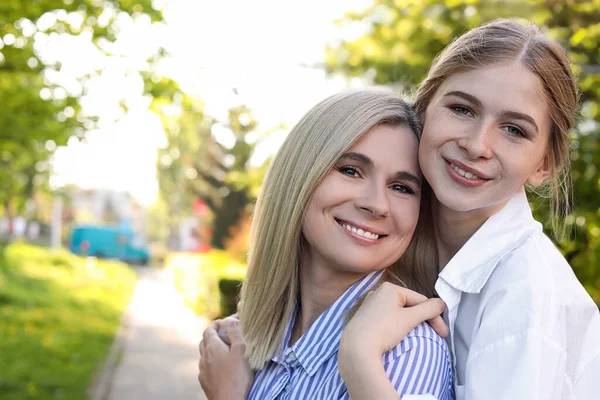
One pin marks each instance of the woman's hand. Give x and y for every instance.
(223, 370)
(387, 315)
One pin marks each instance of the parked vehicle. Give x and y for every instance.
(109, 241)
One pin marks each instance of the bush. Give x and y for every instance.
(59, 315)
(209, 281)
(229, 290)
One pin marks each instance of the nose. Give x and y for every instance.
(373, 202)
(476, 142)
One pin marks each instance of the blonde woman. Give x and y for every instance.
(498, 104)
(339, 205)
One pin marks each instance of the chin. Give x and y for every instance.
(456, 202)
(361, 268)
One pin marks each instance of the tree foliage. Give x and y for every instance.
(196, 165)
(404, 36)
(38, 112)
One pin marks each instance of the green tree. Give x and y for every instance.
(403, 36)
(226, 175)
(187, 131)
(38, 114)
(195, 165)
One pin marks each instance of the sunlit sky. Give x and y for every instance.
(262, 48)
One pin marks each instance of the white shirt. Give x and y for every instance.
(521, 325)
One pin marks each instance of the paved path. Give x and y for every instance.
(160, 354)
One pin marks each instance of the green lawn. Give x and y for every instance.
(58, 317)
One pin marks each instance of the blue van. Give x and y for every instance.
(109, 241)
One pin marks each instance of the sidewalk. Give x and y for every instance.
(160, 348)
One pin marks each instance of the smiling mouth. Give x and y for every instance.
(464, 173)
(359, 231)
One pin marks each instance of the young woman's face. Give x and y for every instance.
(486, 134)
(364, 212)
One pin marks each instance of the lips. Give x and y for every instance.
(466, 171)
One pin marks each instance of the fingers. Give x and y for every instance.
(429, 310)
(439, 326)
(211, 339)
(234, 331)
(409, 298)
(235, 335)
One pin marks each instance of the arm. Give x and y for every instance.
(223, 371)
(387, 315)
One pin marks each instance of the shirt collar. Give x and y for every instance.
(322, 339)
(470, 268)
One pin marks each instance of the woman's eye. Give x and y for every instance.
(461, 110)
(514, 131)
(402, 189)
(349, 171)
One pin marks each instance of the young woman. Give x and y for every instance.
(498, 104)
(339, 204)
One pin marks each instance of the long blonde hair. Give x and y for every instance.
(502, 41)
(270, 290)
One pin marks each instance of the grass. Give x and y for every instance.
(59, 314)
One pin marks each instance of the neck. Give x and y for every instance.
(320, 287)
(454, 228)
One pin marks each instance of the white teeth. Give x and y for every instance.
(464, 173)
(360, 232)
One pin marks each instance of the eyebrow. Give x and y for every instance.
(466, 96)
(504, 114)
(520, 116)
(368, 163)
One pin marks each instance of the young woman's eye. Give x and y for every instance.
(349, 171)
(514, 131)
(461, 110)
(400, 188)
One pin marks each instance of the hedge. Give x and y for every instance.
(209, 282)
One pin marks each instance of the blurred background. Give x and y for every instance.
(134, 137)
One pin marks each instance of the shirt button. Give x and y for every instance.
(287, 387)
(292, 357)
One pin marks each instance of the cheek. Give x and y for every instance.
(407, 217)
(442, 126)
(430, 140)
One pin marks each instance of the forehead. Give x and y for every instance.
(394, 147)
(510, 87)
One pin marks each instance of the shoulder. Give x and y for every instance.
(536, 272)
(420, 364)
(533, 289)
(423, 340)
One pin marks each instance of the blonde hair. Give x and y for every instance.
(503, 41)
(270, 290)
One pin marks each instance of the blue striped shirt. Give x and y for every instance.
(308, 369)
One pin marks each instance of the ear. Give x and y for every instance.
(540, 174)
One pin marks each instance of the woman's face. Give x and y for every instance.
(486, 134)
(364, 212)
